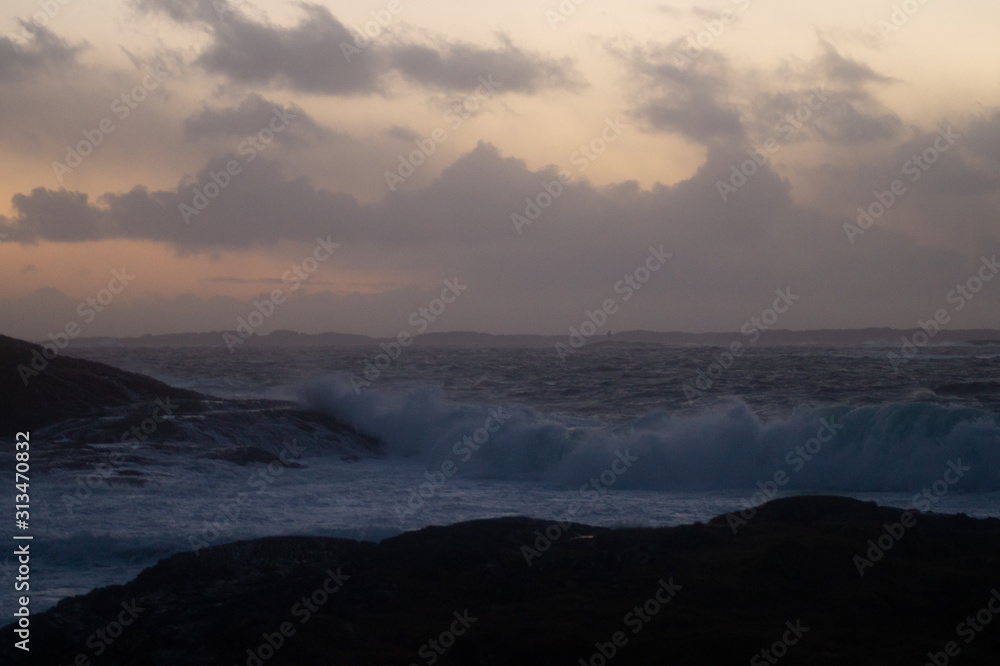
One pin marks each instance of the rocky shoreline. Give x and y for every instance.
(805, 580)
(786, 583)
(72, 404)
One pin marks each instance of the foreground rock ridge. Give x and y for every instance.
(787, 583)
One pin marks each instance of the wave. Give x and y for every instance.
(889, 447)
(970, 388)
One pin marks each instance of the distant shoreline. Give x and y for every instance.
(876, 337)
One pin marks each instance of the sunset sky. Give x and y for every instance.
(627, 123)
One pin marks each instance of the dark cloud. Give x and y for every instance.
(320, 55)
(469, 205)
(705, 98)
(837, 69)
(835, 114)
(984, 137)
(306, 57)
(32, 51)
(464, 67)
(401, 133)
(689, 98)
(728, 256)
(54, 215)
(185, 10)
(853, 115)
(843, 122)
(258, 206)
(961, 171)
(252, 115)
(695, 114)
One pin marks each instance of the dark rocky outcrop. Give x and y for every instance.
(36, 391)
(73, 404)
(792, 562)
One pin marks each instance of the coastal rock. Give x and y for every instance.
(85, 411)
(464, 594)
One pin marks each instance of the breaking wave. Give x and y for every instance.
(898, 446)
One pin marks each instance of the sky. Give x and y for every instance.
(506, 167)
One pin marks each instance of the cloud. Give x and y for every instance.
(707, 99)
(455, 67)
(319, 55)
(261, 206)
(261, 280)
(305, 57)
(843, 122)
(469, 204)
(837, 69)
(401, 134)
(253, 114)
(729, 257)
(33, 52)
(689, 100)
(54, 215)
(853, 115)
(839, 115)
(248, 212)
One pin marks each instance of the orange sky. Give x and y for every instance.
(576, 75)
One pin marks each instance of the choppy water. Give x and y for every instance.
(610, 437)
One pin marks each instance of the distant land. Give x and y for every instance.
(887, 337)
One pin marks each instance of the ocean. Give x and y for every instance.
(614, 435)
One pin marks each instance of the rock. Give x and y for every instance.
(792, 563)
(73, 404)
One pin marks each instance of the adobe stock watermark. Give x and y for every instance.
(787, 126)
(86, 484)
(463, 450)
(627, 288)
(122, 106)
(565, 9)
(248, 149)
(914, 168)
(958, 298)
(223, 6)
(302, 610)
(419, 320)
(969, 629)
(771, 655)
(591, 491)
(581, 158)
(636, 619)
(87, 310)
(265, 309)
(226, 513)
(752, 329)
(103, 638)
(697, 42)
(435, 648)
(922, 501)
(38, 20)
(796, 459)
(370, 31)
(900, 16)
(454, 117)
